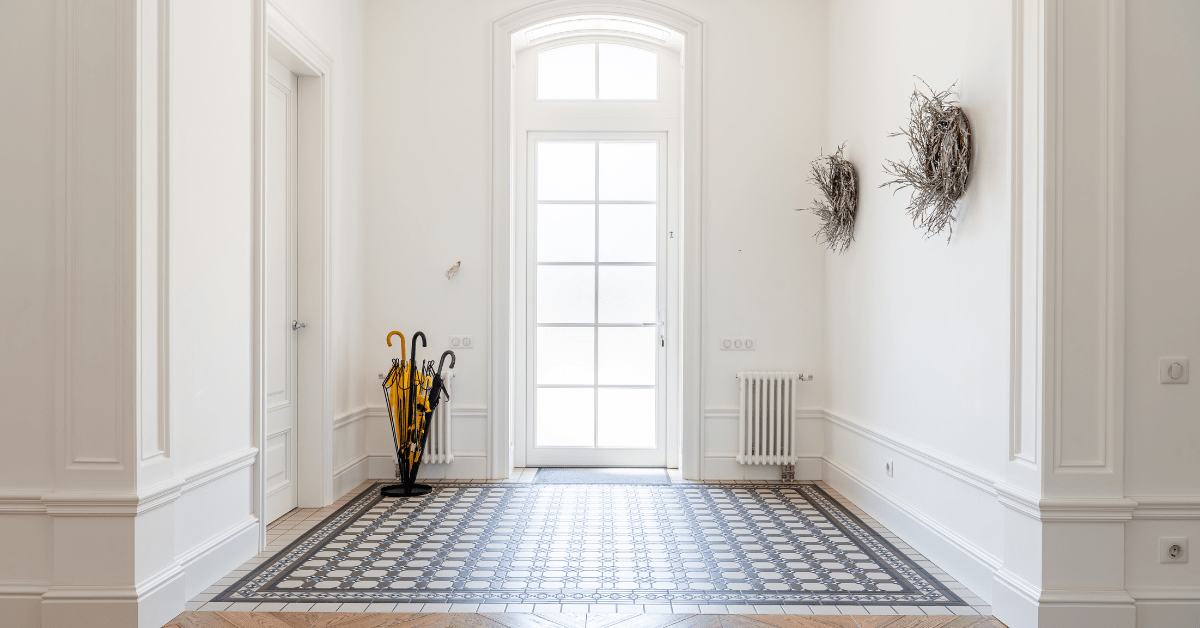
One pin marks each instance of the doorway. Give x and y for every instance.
(293, 412)
(597, 299)
(280, 310)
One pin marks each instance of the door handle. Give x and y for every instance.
(658, 324)
(296, 325)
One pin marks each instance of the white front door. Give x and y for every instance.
(596, 286)
(279, 454)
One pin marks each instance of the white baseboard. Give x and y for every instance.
(467, 465)
(213, 559)
(1158, 613)
(21, 610)
(351, 474)
(968, 563)
(724, 466)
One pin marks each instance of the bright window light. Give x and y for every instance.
(567, 73)
(627, 73)
(570, 73)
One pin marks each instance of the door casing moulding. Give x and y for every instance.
(277, 36)
(501, 393)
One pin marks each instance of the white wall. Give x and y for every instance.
(27, 265)
(917, 329)
(1162, 434)
(427, 163)
(154, 527)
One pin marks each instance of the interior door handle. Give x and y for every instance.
(658, 324)
(298, 325)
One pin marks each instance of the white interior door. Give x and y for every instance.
(280, 220)
(596, 300)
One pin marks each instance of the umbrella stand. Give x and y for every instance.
(410, 422)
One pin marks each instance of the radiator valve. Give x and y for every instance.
(789, 473)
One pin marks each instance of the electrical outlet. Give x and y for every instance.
(1173, 370)
(738, 344)
(889, 467)
(461, 342)
(1173, 549)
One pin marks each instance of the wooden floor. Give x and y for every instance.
(221, 619)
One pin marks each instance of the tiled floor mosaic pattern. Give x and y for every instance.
(508, 543)
(904, 567)
(316, 619)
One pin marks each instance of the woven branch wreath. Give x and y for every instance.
(939, 138)
(835, 177)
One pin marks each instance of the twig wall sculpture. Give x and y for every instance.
(939, 138)
(835, 177)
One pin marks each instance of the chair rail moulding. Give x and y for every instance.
(501, 430)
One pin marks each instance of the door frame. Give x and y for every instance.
(280, 38)
(525, 262)
(502, 387)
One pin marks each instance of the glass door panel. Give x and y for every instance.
(598, 294)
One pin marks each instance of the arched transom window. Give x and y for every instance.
(597, 71)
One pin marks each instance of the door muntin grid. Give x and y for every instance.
(597, 293)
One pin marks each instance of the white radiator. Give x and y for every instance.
(438, 449)
(765, 417)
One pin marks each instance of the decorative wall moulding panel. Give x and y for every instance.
(23, 589)
(1166, 594)
(219, 468)
(976, 478)
(96, 188)
(22, 504)
(130, 504)
(1088, 235)
(1073, 597)
(1081, 510)
(1018, 500)
(1167, 507)
(355, 416)
(1023, 588)
(468, 412)
(91, 504)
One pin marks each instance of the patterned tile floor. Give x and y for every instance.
(317, 619)
(297, 523)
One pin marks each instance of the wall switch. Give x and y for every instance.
(1173, 370)
(888, 467)
(1173, 549)
(461, 342)
(738, 344)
